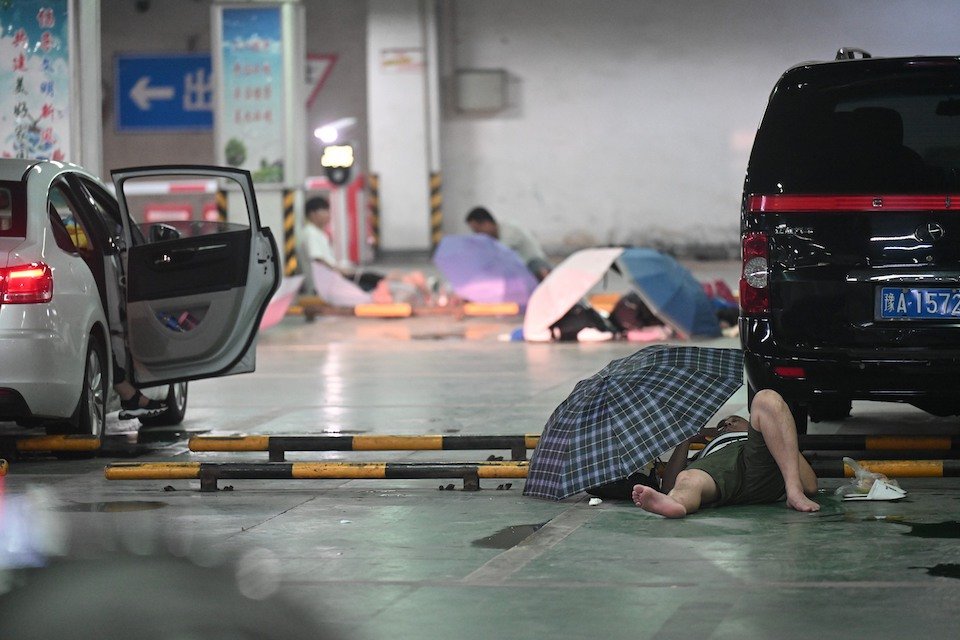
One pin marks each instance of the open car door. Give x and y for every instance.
(200, 271)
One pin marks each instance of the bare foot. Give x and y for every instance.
(651, 500)
(802, 503)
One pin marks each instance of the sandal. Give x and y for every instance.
(131, 408)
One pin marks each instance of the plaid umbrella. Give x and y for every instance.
(627, 414)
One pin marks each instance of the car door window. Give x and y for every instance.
(68, 229)
(176, 208)
(107, 213)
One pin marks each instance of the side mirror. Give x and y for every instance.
(161, 232)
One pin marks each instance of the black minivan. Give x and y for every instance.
(850, 232)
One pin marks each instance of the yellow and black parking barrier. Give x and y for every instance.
(67, 443)
(209, 473)
(277, 446)
(879, 443)
(890, 468)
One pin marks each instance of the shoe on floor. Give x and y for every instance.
(130, 409)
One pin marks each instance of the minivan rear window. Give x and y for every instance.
(861, 131)
(13, 210)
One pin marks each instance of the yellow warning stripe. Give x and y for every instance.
(901, 468)
(895, 443)
(59, 443)
(399, 443)
(230, 443)
(152, 471)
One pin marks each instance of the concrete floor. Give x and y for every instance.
(400, 559)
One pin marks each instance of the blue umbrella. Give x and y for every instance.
(481, 269)
(627, 414)
(671, 292)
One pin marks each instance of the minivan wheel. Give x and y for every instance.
(176, 401)
(830, 409)
(800, 414)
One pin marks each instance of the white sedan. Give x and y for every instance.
(89, 281)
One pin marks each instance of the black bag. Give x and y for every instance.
(631, 312)
(623, 489)
(580, 316)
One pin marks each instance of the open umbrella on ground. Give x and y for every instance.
(631, 411)
(666, 287)
(671, 292)
(481, 269)
(281, 301)
(564, 287)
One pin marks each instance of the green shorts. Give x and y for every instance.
(745, 472)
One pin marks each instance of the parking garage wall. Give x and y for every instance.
(631, 121)
(182, 26)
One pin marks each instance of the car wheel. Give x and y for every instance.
(90, 416)
(830, 409)
(176, 401)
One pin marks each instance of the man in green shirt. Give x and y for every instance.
(750, 462)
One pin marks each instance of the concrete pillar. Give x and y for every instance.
(402, 99)
(86, 127)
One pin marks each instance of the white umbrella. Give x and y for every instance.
(563, 287)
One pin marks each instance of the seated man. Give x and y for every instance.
(759, 468)
(316, 245)
(514, 237)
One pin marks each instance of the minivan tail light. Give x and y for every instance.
(26, 284)
(754, 281)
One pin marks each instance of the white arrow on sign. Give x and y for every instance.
(142, 93)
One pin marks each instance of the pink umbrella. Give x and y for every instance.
(564, 287)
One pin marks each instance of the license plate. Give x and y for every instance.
(917, 303)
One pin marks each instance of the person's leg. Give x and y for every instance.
(692, 489)
(771, 416)
(133, 404)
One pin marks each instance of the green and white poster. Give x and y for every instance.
(34, 79)
(251, 112)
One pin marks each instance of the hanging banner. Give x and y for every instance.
(34, 79)
(251, 108)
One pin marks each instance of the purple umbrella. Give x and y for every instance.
(480, 269)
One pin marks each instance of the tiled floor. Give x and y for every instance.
(400, 559)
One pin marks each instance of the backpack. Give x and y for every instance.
(631, 312)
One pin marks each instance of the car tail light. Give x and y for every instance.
(790, 372)
(754, 291)
(26, 283)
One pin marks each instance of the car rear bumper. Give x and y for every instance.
(43, 370)
(862, 374)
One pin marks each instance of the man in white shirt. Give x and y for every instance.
(317, 245)
(315, 241)
(514, 237)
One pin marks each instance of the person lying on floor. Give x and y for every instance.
(750, 462)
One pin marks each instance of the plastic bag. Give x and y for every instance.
(863, 480)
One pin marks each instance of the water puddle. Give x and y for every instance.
(114, 506)
(508, 537)
(949, 529)
(944, 571)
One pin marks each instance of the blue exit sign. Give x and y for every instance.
(164, 92)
